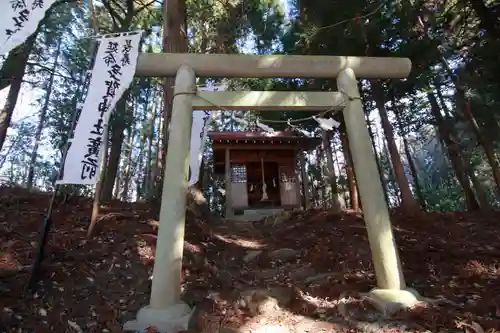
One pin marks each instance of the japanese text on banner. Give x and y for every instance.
(18, 20)
(112, 74)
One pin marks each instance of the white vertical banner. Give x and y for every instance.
(199, 129)
(18, 20)
(112, 74)
(201, 122)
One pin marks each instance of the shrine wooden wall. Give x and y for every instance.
(287, 190)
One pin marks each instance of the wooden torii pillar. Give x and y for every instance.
(165, 310)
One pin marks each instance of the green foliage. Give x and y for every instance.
(442, 38)
(444, 195)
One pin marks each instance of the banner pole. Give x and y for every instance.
(47, 220)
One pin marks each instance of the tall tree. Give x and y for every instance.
(124, 17)
(330, 168)
(22, 53)
(43, 115)
(454, 154)
(407, 199)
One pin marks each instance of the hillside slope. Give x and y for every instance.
(313, 263)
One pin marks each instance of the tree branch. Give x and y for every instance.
(130, 15)
(120, 6)
(140, 9)
(114, 15)
(33, 83)
(49, 69)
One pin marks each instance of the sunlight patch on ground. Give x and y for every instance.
(192, 247)
(281, 320)
(479, 269)
(246, 243)
(153, 223)
(145, 251)
(8, 262)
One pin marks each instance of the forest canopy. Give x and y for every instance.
(435, 134)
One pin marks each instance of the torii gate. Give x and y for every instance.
(165, 309)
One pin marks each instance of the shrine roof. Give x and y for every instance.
(246, 138)
(255, 135)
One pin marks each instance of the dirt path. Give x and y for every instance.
(315, 264)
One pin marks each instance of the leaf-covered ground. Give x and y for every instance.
(298, 273)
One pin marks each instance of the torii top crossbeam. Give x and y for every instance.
(271, 66)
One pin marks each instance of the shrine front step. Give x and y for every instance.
(250, 215)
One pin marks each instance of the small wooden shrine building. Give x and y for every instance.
(261, 171)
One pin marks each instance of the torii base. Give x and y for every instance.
(173, 319)
(390, 301)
